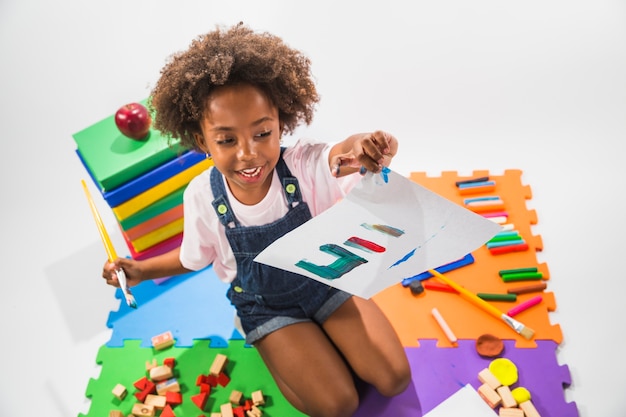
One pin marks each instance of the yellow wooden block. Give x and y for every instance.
(151, 195)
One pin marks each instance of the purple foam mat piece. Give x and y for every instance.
(439, 372)
(191, 306)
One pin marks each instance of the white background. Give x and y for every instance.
(486, 84)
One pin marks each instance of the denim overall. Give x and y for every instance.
(268, 298)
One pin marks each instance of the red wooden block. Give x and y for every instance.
(205, 388)
(201, 379)
(223, 379)
(200, 400)
(140, 384)
(141, 395)
(212, 380)
(239, 412)
(173, 398)
(169, 362)
(167, 412)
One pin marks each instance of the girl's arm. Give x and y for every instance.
(371, 151)
(136, 271)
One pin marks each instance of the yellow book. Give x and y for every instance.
(151, 195)
(159, 235)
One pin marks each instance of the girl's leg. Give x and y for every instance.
(361, 331)
(309, 370)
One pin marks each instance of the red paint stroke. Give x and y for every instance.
(366, 244)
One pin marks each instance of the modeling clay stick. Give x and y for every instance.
(511, 242)
(497, 297)
(517, 270)
(522, 276)
(444, 326)
(525, 305)
(528, 289)
(508, 249)
(518, 327)
(474, 180)
(438, 286)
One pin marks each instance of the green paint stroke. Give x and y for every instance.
(346, 262)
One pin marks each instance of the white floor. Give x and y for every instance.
(486, 84)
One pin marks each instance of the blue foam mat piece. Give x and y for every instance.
(191, 306)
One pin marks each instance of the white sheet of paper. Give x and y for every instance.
(465, 402)
(436, 230)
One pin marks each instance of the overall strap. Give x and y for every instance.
(220, 204)
(289, 182)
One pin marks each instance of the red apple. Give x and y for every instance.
(133, 120)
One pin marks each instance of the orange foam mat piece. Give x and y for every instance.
(411, 314)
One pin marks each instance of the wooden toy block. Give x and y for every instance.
(529, 409)
(239, 412)
(143, 394)
(116, 413)
(236, 397)
(223, 379)
(163, 340)
(143, 410)
(205, 388)
(258, 398)
(167, 412)
(158, 401)
(120, 391)
(218, 365)
(254, 412)
(141, 383)
(173, 398)
(160, 373)
(507, 398)
(486, 377)
(511, 412)
(490, 396)
(227, 410)
(200, 400)
(171, 362)
(170, 385)
(151, 364)
(216, 415)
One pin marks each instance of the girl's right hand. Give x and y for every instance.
(131, 267)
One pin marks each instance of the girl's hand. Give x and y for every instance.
(371, 151)
(131, 269)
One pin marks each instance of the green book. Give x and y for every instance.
(114, 159)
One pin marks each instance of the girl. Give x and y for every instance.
(232, 95)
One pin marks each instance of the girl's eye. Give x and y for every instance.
(225, 141)
(264, 134)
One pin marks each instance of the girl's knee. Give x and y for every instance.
(336, 404)
(394, 382)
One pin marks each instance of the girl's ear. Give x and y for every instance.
(200, 142)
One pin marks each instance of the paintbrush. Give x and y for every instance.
(108, 247)
(524, 331)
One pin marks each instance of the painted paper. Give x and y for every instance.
(386, 229)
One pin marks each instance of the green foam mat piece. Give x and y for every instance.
(127, 365)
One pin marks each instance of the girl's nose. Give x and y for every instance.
(247, 150)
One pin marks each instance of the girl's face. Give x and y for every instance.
(241, 132)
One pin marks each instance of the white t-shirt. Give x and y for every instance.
(204, 238)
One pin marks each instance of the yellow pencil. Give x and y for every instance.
(108, 247)
(522, 330)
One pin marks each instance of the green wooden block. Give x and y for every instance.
(113, 159)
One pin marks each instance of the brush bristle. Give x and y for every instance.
(527, 333)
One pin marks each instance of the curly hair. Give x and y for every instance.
(228, 56)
